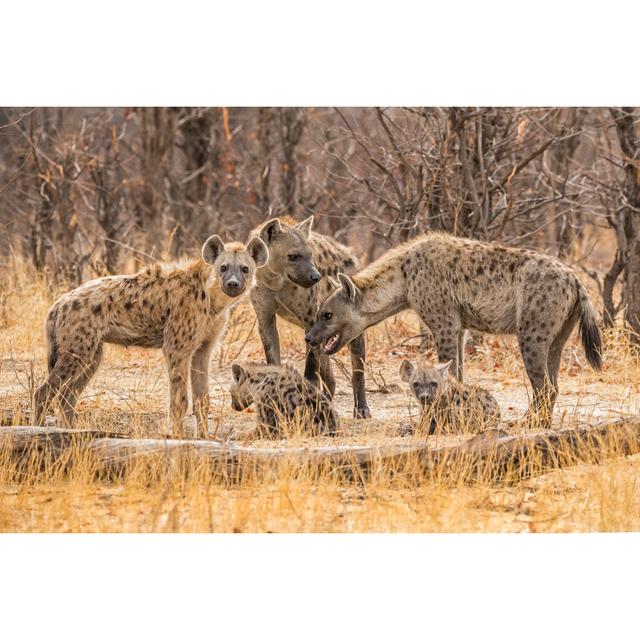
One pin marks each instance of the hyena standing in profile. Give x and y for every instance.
(456, 284)
(447, 403)
(281, 394)
(181, 308)
(293, 284)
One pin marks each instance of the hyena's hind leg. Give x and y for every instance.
(541, 337)
(44, 396)
(448, 336)
(534, 349)
(557, 346)
(76, 383)
(67, 378)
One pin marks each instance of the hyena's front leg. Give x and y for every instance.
(269, 336)
(317, 368)
(358, 356)
(200, 385)
(461, 338)
(178, 370)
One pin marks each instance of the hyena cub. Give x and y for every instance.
(448, 404)
(281, 394)
(293, 284)
(180, 308)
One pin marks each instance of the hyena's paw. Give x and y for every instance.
(362, 413)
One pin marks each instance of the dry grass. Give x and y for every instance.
(128, 396)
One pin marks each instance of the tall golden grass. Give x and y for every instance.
(189, 493)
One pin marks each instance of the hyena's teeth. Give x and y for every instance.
(331, 342)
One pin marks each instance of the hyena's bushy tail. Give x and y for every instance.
(589, 330)
(52, 344)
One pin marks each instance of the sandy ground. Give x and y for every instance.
(128, 396)
(128, 393)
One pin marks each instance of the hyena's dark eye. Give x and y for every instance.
(433, 385)
(416, 385)
(245, 270)
(327, 315)
(223, 268)
(293, 257)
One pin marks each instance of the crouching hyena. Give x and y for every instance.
(294, 282)
(456, 284)
(181, 308)
(281, 394)
(448, 404)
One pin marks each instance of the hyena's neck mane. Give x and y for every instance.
(383, 284)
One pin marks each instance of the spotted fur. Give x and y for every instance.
(180, 308)
(455, 284)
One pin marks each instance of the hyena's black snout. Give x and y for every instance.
(233, 285)
(306, 274)
(311, 338)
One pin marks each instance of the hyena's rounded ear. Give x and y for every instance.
(443, 369)
(257, 249)
(334, 283)
(348, 286)
(212, 248)
(406, 370)
(305, 226)
(238, 373)
(270, 230)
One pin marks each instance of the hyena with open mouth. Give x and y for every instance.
(455, 284)
(293, 284)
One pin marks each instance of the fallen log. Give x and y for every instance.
(492, 455)
(30, 448)
(21, 438)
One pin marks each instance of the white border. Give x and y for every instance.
(318, 53)
(334, 52)
(304, 586)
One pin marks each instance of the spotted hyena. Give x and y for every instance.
(281, 394)
(447, 403)
(456, 284)
(293, 284)
(180, 308)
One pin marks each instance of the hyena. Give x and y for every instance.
(456, 284)
(293, 284)
(181, 308)
(447, 403)
(281, 394)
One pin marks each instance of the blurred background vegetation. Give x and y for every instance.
(86, 192)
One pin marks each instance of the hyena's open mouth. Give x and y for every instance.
(330, 343)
